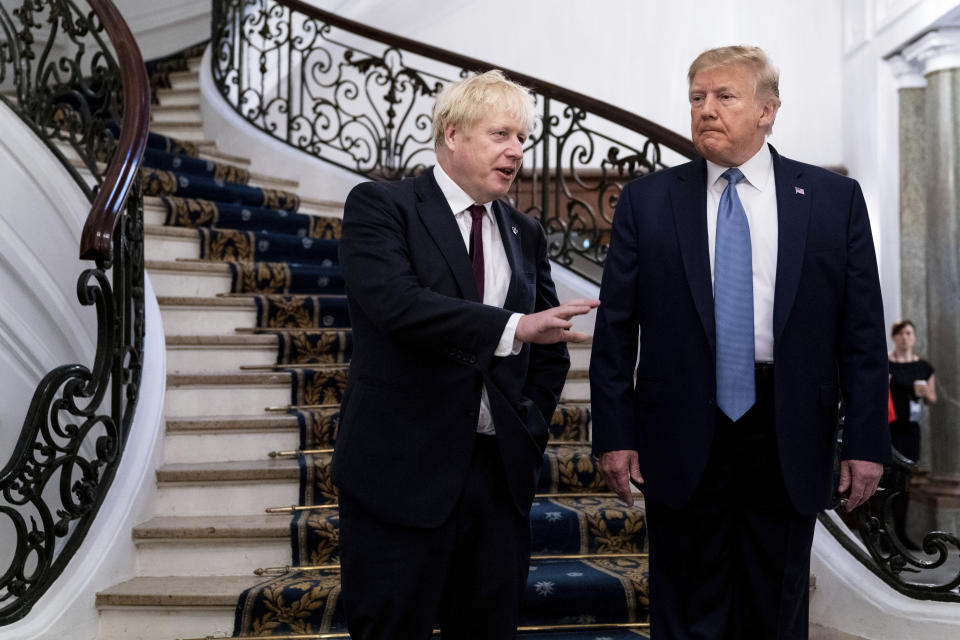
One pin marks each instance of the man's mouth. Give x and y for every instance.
(507, 172)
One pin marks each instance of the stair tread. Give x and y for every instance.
(213, 527)
(230, 471)
(170, 231)
(193, 266)
(180, 591)
(231, 340)
(231, 377)
(239, 302)
(162, 108)
(232, 423)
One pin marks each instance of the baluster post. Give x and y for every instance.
(545, 178)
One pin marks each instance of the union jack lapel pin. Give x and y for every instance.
(799, 191)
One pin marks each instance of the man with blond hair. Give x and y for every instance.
(752, 282)
(458, 363)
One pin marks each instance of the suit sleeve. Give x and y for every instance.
(375, 257)
(615, 338)
(549, 363)
(863, 348)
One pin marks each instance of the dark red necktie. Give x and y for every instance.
(476, 244)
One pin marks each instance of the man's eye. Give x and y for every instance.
(522, 139)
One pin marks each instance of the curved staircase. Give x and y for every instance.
(251, 374)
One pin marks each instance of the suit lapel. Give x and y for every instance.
(793, 216)
(438, 219)
(510, 234)
(688, 195)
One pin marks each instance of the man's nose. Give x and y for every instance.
(709, 107)
(515, 149)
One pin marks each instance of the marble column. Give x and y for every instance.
(911, 91)
(939, 54)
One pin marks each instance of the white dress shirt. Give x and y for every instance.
(496, 273)
(758, 194)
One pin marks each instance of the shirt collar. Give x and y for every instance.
(456, 197)
(757, 170)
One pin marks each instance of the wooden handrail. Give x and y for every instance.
(96, 241)
(651, 130)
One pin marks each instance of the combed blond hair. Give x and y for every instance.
(766, 76)
(465, 102)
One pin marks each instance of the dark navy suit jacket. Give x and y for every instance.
(828, 327)
(423, 347)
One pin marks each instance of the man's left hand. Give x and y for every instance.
(861, 478)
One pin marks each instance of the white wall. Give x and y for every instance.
(42, 325)
(161, 28)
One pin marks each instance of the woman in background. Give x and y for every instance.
(912, 384)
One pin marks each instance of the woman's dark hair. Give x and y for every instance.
(900, 326)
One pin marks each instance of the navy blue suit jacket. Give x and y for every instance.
(423, 347)
(828, 326)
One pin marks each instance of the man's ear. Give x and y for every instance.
(451, 135)
(768, 114)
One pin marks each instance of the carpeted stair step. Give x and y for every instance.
(577, 387)
(171, 278)
(210, 353)
(202, 438)
(226, 488)
(202, 213)
(237, 393)
(252, 392)
(206, 353)
(566, 592)
(161, 114)
(179, 243)
(185, 96)
(164, 182)
(566, 526)
(185, 79)
(183, 130)
(569, 469)
(162, 608)
(211, 545)
(205, 315)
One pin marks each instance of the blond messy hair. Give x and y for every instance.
(465, 102)
(766, 76)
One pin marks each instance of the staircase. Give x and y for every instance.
(227, 407)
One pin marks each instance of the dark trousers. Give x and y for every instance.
(467, 574)
(734, 563)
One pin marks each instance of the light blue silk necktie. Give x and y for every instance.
(733, 303)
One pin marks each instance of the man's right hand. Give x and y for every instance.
(617, 468)
(553, 325)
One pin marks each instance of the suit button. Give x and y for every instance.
(472, 413)
(711, 402)
(472, 360)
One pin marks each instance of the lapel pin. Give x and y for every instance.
(799, 191)
(516, 231)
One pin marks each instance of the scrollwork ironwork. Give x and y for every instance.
(67, 86)
(350, 97)
(890, 557)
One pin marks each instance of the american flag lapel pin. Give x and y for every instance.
(799, 191)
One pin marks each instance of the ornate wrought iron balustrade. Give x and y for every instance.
(361, 99)
(90, 103)
(930, 575)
